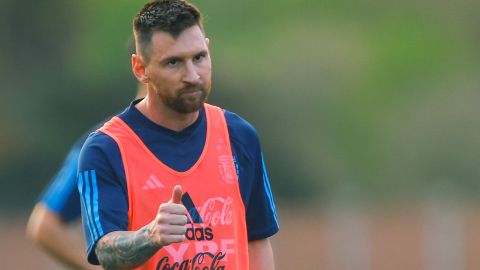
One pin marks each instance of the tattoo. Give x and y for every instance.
(125, 250)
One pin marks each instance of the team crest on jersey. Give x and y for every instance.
(226, 169)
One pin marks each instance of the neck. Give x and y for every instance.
(162, 115)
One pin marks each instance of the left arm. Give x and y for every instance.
(261, 216)
(46, 229)
(260, 255)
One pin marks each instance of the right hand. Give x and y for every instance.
(169, 225)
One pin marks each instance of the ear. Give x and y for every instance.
(138, 68)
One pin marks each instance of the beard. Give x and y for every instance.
(187, 100)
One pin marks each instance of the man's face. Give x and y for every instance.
(179, 70)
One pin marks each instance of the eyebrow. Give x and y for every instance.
(179, 57)
(168, 59)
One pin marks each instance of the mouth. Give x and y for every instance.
(191, 91)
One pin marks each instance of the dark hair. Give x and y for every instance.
(171, 16)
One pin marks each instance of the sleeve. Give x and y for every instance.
(61, 195)
(261, 215)
(102, 188)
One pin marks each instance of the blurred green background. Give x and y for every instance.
(371, 101)
(367, 111)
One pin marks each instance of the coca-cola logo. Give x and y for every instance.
(217, 211)
(201, 261)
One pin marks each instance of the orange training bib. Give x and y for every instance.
(216, 231)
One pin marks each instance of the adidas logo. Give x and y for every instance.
(200, 233)
(152, 183)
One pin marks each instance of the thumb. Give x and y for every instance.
(177, 194)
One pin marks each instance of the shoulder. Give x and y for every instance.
(97, 147)
(95, 140)
(240, 130)
(98, 140)
(58, 195)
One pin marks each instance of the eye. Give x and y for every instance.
(173, 62)
(199, 57)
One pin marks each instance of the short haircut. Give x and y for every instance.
(171, 16)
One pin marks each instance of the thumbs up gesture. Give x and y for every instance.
(169, 225)
(176, 195)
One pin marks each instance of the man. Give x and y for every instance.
(173, 182)
(50, 222)
(58, 209)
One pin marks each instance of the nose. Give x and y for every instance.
(191, 74)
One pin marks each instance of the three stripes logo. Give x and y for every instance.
(88, 188)
(152, 183)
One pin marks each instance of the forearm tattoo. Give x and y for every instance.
(125, 250)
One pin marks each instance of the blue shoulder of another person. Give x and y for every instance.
(61, 194)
